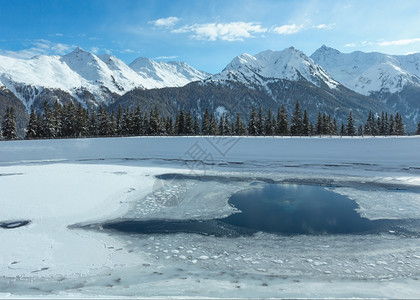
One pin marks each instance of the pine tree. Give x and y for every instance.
(297, 121)
(48, 122)
(169, 126)
(93, 125)
(227, 128)
(206, 126)
(360, 130)
(399, 125)
(343, 130)
(104, 124)
(196, 126)
(260, 122)
(31, 130)
(319, 125)
(221, 127)
(8, 125)
(350, 129)
(137, 122)
(391, 125)
(335, 127)
(282, 121)
(213, 125)
(181, 123)
(305, 125)
(154, 121)
(418, 129)
(252, 124)
(240, 128)
(189, 129)
(57, 114)
(268, 130)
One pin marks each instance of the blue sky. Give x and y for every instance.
(207, 34)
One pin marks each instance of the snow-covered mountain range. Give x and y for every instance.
(89, 78)
(328, 81)
(290, 64)
(368, 73)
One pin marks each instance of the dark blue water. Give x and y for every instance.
(278, 208)
(297, 209)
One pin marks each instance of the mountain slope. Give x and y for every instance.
(393, 79)
(83, 77)
(159, 74)
(367, 73)
(290, 64)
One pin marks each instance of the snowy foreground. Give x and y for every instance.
(67, 188)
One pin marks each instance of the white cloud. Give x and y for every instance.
(165, 22)
(234, 31)
(166, 57)
(350, 45)
(324, 26)
(39, 47)
(287, 29)
(400, 42)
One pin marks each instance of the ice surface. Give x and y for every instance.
(62, 183)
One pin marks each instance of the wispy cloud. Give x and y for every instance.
(39, 47)
(295, 28)
(324, 26)
(350, 45)
(287, 29)
(234, 31)
(166, 57)
(400, 42)
(165, 22)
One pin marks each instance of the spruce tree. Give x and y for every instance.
(391, 125)
(418, 129)
(350, 129)
(240, 128)
(31, 130)
(180, 130)
(221, 126)
(297, 121)
(137, 122)
(48, 122)
(93, 125)
(196, 126)
(227, 127)
(252, 124)
(282, 121)
(319, 125)
(306, 130)
(206, 126)
(335, 127)
(268, 130)
(213, 125)
(260, 122)
(343, 130)
(8, 125)
(399, 125)
(189, 129)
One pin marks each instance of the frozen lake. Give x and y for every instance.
(287, 209)
(334, 217)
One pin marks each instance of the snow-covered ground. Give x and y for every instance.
(64, 185)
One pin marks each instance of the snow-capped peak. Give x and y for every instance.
(103, 76)
(367, 73)
(158, 74)
(290, 64)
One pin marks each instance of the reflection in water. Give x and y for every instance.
(281, 209)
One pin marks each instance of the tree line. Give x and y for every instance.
(66, 121)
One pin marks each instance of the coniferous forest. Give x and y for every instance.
(72, 121)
